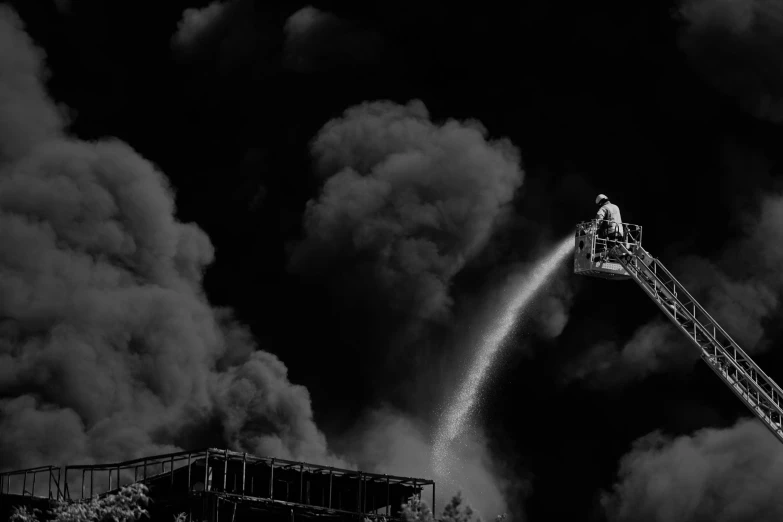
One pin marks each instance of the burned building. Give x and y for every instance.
(213, 484)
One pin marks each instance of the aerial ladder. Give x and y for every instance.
(625, 258)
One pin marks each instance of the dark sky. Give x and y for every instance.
(273, 226)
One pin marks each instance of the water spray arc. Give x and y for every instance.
(456, 416)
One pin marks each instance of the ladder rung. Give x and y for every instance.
(762, 395)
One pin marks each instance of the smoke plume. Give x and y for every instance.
(407, 201)
(108, 346)
(405, 204)
(389, 441)
(718, 475)
(735, 45)
(29, 117)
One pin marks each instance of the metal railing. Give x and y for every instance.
(632, 233)
(593, 249)
(235, 475)
(111, 477)
(28, 482)
(757, 390)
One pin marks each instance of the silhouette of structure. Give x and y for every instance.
(213, 484)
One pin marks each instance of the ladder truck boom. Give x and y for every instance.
(626, 259)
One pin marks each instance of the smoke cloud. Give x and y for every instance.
(735, 45)
(29, 117)
(721, 475)
(406, 201)
(655, 347)
(108, 346)
(195, 23)
(389, 441)
(316, 40)
(232, 38)
(742, 303)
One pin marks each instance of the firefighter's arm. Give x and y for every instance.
(601, 214)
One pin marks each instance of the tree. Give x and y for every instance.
(128, 505)
(455, 511)
(416, 511)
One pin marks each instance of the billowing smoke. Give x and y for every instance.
(389, 441)
(655, 347)
(195, 23)
(735, 45)
(724, 475)
(108, 346)
(29, 118)
(233, 37)
(407, 201)
(316, 40)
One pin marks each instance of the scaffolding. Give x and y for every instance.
(204, 483)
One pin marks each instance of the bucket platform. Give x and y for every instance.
(592, 252)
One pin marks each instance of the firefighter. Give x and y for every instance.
(610, 227)
(610, 224)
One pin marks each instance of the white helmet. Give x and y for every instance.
(600, 198)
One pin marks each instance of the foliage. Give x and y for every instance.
(416, 511)
(22, 514)
(455, 511)
(129, 505)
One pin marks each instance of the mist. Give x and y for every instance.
(387, 440)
